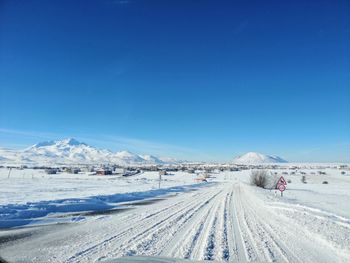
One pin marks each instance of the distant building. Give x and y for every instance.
(119, 170)
(104, 172)
(73, 170)
(171, 169)
(201, 179)
(88, 169)
(162, 172)
(51, 171)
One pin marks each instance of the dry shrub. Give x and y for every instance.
(259, 178)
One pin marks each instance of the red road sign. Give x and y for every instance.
(282, 181)
(281, 187)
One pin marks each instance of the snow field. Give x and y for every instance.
(225, 221)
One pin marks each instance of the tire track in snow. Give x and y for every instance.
(183, 242)
(226, 222)
(206, 245)
(118, 244)
(225, 253)
(241, 250)
(153, 242)
(267, 243)
(210, 247)
(130, 225)
(335, 235)
(279, 237)
(244, 240)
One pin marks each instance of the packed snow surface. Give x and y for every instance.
(257, 158)
(226, 220)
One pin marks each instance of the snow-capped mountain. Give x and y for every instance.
(257, 158)
(129, 157)
(169, 160)
(65, 151)
(71, 151)
(152, 159)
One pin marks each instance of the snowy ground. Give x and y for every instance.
(32, 196)
(225, 220)
(35, 185)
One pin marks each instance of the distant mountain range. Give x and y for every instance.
(257, 158)
(71, 151)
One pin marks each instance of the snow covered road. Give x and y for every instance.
(227, 221)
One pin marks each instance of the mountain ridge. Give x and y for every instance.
(257, 158)
(71, 151)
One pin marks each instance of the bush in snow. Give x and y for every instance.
(263, 178)
(324, 182)
(343, 172)
(289, 181)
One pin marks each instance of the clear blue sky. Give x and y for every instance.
(190, 79)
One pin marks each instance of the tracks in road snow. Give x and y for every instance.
(149, 234)
(224, 222)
